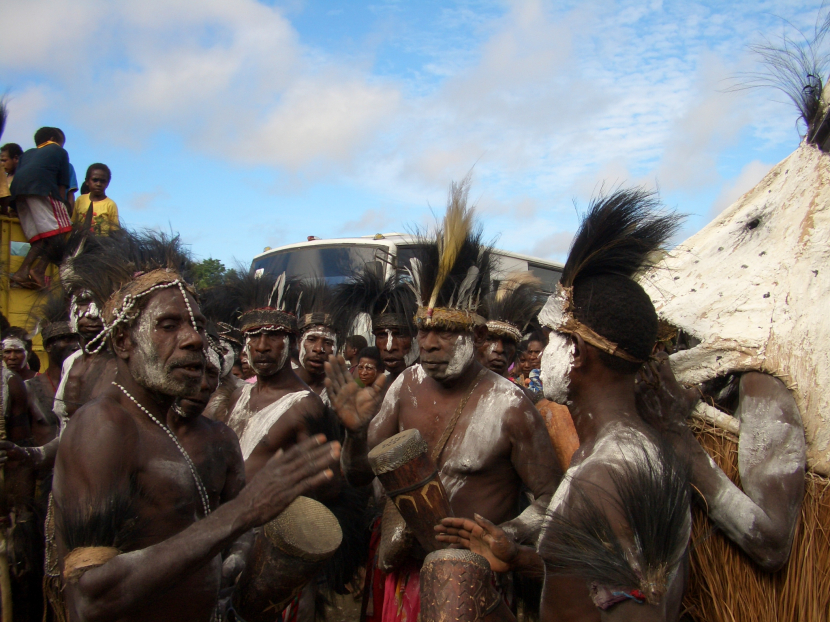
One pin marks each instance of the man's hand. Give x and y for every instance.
(354, 405)
(288, 475)
(661, 400)
(14, 456)
(482, 537)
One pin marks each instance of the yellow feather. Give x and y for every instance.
(457, 223)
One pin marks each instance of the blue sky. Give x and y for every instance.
(244, 124)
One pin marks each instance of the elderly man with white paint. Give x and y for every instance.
(488, 438)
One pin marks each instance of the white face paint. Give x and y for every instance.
(317, 331)
(283, 355)
(389, 338)
(227, 359)
(557, 361)
(461, 356)
(149, 371)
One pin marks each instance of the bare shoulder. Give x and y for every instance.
(519, 412)
(97, 423)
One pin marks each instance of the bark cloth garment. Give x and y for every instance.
(252, 426)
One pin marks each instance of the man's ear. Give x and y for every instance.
(479, 335)
(580, 351)
(122, 343)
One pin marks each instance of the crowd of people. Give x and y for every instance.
(436, 439)
(150, 469)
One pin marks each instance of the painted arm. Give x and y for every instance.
(762, 517)
(356, 407)
(100, 456)
(535, 461)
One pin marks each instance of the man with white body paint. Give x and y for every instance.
(618, 527)
(272, 413)
(319, 330)
(490, 438)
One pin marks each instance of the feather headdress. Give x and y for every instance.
(513, 305)
(616, 237)
(123, 268)
(316, 307)
(52, 315)
(390, 303)
(450, 273)
(260, 300)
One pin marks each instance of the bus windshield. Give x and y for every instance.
(335, 264)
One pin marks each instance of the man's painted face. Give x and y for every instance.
(557, 361)
(8, 163)
(15, 354)
(445, 354)
(168, 356)
(84, 315)
(497, 354)
(266, 352)
(60, 348)
(317, 344)
(397, 349)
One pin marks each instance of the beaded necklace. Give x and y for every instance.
(199, 485)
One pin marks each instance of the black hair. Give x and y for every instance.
(46, 134)
(371, 353)
(356, 341)
(13, 149)
(617, 234)
(98, 167)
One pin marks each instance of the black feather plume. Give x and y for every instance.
(4, 115)
(617, 234)
(367, 291)
(517, 301)
(797, 64)
(651, 492)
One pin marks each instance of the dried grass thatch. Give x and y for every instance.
(726, 586)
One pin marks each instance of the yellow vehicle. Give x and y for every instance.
(16, 304)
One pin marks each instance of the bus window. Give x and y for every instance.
(549, 276)
(333, 263)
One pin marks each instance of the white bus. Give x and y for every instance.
(335, 259)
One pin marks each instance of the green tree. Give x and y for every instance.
(209, 273)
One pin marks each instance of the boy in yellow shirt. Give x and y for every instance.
(104, 209)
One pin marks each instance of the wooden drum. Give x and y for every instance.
(410, 479)
(287, 553)
(457, 586)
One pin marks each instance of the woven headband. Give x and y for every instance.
(504, 329)
(570, 325)
(267, 318)
(447, 319)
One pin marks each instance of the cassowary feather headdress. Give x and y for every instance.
(389, 302)
(262, 302)
(52, 314)
(315, 306)
(513, 306)
(122, 269)
(451, 272)
(617, 234)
